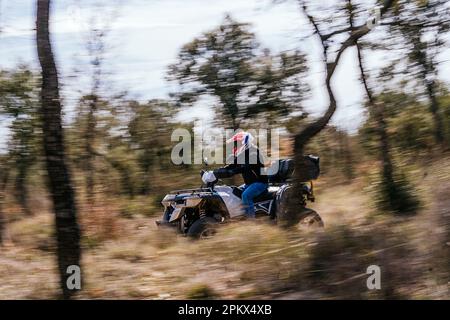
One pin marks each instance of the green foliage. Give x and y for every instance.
(19, 101)
(411, 21)
(409, 126)
(225, 64)
(131, 143)
(95, 117)
(418, 30)
(18, 92)
(444, 102)
(411, 130)
(279, 88)
(217, 63)
(149, 133)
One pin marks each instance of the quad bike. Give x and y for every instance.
(197, 212)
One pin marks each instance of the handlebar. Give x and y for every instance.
(209, 184)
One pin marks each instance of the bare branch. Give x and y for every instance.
(315, 127)
(363, 74)
(336, 32)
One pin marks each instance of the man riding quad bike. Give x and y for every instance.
(197, 212)
(249, 162)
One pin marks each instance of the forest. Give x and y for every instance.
(83, 185)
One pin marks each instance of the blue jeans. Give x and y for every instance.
(251, 192)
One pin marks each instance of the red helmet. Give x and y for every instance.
(242, 141)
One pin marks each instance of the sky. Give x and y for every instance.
(147, 35)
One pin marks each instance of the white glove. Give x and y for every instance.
(208, 176)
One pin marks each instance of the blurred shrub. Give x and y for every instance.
(398, 196)
(409, 126)
(339, 259)
(140, 206)
(99, 223)
(411, 130)
(35, 232)
(444, 103)
(201, 291)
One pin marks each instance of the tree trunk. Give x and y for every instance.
(305, 135)
(125, 177)
(427, 71)
(434, 109)
(62, 193)
(145, 190)
(385, 150)
(378, 112)
(90, 152)
(377, 109)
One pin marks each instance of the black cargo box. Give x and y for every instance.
(310, 170)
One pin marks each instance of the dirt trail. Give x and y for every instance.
(244, 261)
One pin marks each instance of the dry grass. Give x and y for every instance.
(134, 260)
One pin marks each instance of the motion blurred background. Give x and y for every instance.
(130, 72)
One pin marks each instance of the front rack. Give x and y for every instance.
(192, 191)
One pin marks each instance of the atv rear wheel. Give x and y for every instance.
(310, 220)
(305, 219)
(203, 228)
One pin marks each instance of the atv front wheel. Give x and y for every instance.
(203, 228)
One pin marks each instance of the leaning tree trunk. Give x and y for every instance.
(311, 130)
(305, 135)
(62, 193)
